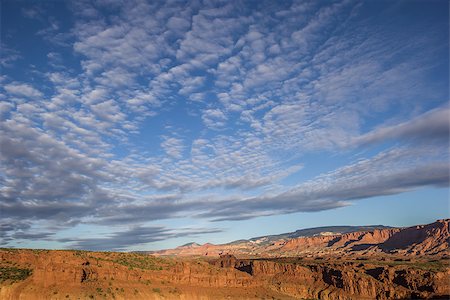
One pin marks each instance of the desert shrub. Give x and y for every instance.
(174, 291)
(14, 274)
(139, 261)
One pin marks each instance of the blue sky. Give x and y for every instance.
(141, 125)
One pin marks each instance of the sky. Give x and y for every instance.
(143, 125)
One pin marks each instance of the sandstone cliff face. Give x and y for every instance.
(343, 281)
(350, 241)
(56, 274)
(423, 239)
(368, 238)
(307, 243)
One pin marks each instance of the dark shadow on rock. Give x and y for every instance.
(361, 247)
(375, 273)
(245, 267)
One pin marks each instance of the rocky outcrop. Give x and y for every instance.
(422, 239)
(131, 276)
(85, 274)
(343, 281)
(375, 237)
(353, 241)
(307, 243)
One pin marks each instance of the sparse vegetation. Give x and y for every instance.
(427, 265)
(139, 261)
(175, 291)
(9, 249)
(14, 274)
(80, 253)
(432, 266)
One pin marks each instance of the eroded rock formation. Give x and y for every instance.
(380, 264)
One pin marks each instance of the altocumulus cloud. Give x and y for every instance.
(152, 110)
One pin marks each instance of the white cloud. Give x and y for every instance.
(214, 118)
(190, 85)
(173, 147)
(116, 78)
(5, 107)
(22, 90)
(96, 95)
(109, 111)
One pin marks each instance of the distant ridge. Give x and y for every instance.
(430, 239)
(308, 232)
(191, 244)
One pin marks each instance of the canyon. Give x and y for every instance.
(385, 263)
